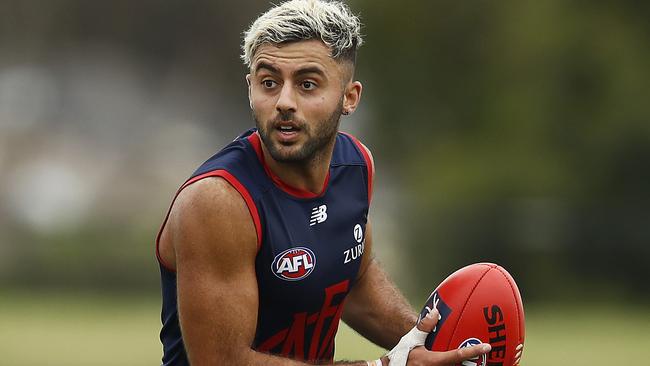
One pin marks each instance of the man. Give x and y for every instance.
(268, 244)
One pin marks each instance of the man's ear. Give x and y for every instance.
(248, 82)
(352, 96)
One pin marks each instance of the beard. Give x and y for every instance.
(319, 136)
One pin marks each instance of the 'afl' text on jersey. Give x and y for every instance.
(309, 248)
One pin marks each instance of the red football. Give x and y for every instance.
(479, 303)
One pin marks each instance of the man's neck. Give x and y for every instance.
(308, 176)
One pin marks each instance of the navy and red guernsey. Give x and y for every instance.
(309, 248)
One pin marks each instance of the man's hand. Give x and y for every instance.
(411, 348)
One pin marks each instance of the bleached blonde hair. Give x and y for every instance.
(329, 21)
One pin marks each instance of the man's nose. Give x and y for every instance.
(287, 99)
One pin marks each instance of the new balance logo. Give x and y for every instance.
(318, 215)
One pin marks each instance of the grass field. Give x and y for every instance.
(42, 329)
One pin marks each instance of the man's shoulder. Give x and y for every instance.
(200, 196)
(200, 216)
(218, 196)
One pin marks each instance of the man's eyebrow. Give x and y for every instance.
(266, 66)
(310, 70)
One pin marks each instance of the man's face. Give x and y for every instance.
(297, 93)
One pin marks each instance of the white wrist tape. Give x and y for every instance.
(400, 354)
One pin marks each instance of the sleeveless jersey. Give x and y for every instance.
(309, 248)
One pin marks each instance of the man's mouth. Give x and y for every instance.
(287, 128)
(287, 132)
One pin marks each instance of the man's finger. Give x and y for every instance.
(428, 323)
(463, 354)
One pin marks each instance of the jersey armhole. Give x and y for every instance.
(235, 183)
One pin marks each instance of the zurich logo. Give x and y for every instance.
(476, 361)
(294, 264)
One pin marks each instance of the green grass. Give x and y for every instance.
(78, 330)
(41, 329)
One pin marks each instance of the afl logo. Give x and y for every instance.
(294, 264)
(476, 361)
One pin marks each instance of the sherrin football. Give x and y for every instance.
(479, 303)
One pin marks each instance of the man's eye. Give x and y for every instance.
(308, 85)
(268, 83)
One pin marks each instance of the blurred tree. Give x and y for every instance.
(521, 133)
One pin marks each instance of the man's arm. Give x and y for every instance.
(214, 247)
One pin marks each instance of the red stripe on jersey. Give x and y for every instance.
(252, 208)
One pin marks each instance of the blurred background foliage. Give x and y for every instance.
(521, 132)
(516, 132)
